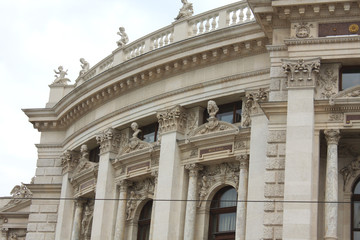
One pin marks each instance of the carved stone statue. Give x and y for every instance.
(203, 185)
(124, 37)
(131, 204)
(185, 11)
(135, 128)
(60, 78)
(20, 192)
(212, 108)
(85, 66)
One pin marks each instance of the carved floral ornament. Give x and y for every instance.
(109, 140)
(332, 136)
(251, 105)
(301, 73)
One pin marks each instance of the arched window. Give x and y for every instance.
(223, 215)
(355, 212)
(144, 221)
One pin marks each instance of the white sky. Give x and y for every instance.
(39, 35)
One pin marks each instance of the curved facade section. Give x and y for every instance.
(231, 124)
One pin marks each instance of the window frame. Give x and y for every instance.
(144, 224)
(215, 212)
(354, 198)
(346, 68)
(235, 106)
(155, 125)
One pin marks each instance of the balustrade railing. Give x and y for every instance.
(229, 15)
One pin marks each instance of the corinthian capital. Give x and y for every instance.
(173, 119)
(109, 140)
(244, 160)
(332, 136)
(301, 73)
(193, 169)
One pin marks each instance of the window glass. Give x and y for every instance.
(149, 133)
(356, 214)
(357, 188)
(94, 154)
(350, 77)
(144, 222)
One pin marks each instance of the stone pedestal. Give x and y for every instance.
(331, 186)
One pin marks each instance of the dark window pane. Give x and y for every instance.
(149, 133)
(350, 77)
(94, 154)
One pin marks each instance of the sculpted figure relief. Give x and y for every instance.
(135, 128)
(60, 78)
(131, 204)
(124, 37)
(212, 108)
(185, 11)
(85, 66)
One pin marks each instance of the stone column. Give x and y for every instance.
(331, 187)
(190, 216)
(79, 206)
(299, 150)
(253, 116)
(121, 211)
(170, 215)
(242, 197)
(105, 211)
(66, 208)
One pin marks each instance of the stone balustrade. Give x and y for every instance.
(223, 17)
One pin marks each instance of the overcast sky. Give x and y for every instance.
(37, 36)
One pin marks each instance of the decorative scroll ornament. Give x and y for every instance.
(251, 105)
(60, 78)
(301, 73)
(172, 120)
(68, 161)
(213, 174)
(185, 11)
(124, 37)
(351, 170)
(109, 140)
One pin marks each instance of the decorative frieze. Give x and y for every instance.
(109, 140)
(172, 120)
(301, 73)
(69, 161)
(251, 105)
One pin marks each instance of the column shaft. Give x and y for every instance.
(331, 187)
(121, 213)
(242, 197)
(75, 235)
(189, 229)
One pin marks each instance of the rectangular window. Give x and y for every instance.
(94, 154)
(149, 133)
(349, 77)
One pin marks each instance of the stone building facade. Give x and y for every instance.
(242, 122)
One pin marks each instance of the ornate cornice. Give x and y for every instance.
(322, 40)
(109, 140)
(274, 48)
(173, 119)
(332, 136)
(301, 73)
